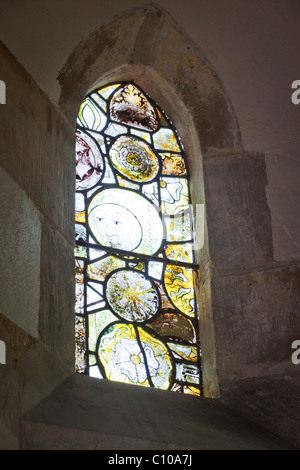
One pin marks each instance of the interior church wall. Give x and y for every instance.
(239, 246)
(36, 153)
(251, 277)
(251, 44)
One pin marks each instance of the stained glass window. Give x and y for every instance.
(136, 315)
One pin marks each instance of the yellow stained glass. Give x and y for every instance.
(80, 216)
(186, 352)
(80, 359)
(190, 390)
(179, 228)
(181, 252)
(91, 116)
(123, 353)
(179, 284)
(108, 90)
(132, 296)
(134, 159)
(135, 305)
(100, 269)
(165, 139)
(126, 184)
(142, 134)
(172, 164)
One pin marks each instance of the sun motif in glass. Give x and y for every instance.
(136, 314)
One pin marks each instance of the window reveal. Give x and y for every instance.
(136, 315)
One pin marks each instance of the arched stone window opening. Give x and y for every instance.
(186, 87)
(137, 317)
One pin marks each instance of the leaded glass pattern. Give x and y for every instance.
(136, 314)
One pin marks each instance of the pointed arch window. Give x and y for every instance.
(136, 314)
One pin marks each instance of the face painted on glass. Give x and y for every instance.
(125, 220)
(115, 226)
(136, 312)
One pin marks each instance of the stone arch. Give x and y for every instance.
(146, 46)
(148, 38)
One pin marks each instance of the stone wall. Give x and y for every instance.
(249, 304)
(36, 263)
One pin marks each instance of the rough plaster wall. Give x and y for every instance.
(37, 150)
(20, 241)
(36, 264)
(252, 44)
(53, 273)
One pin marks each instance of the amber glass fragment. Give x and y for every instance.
(129, 105)
(174, 325)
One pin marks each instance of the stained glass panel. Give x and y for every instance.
(179, 284)
(136, 314)
(89, 163)
(134, 159)
(174, 195)
(131, 354)
(173, 164)
(129, 105)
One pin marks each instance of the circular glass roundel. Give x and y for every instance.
(126, 352)
(89, 162)
(132, 296)
(115, 226)
(134, 159)
(122, 219)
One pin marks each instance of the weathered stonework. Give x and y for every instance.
(20, 241)
(56, 321)
(37, 146)
(148, 37)
(248, 305)
(239, 221)
(31, 372)
(36, 175)
(256, 318)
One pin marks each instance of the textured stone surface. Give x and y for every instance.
(87, 413)
(252, 301)
(57, 299)
(37, 233)
(272, 402)
(29, 375)
(37, 145)
(251, 44)
(20, 241)
(256, 316)
(238, 216)
(139, 38)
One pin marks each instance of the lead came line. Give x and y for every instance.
(138, 256)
